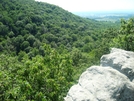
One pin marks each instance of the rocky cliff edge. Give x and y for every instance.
(113, 80)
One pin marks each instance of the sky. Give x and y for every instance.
(92, 5)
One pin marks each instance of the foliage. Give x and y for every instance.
(40, 78)
(125, 38)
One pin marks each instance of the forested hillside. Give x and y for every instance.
(43, 48)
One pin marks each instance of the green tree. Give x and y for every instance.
(125, 38)
(24, 45)
(3, 29)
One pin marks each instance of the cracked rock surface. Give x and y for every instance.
(113, 80)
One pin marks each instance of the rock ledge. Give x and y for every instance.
(113, 80)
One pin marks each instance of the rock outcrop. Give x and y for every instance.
(113, 80)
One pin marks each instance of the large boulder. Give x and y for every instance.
(121, 60)
(113, 80)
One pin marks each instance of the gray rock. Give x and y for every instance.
(121, 60)
(111, 81)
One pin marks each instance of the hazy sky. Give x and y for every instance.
(92, 5)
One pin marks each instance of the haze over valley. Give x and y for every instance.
(112, 16)
(101, 10)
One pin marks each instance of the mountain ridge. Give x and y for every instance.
(20, 19)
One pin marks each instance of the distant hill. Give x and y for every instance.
(112, 16)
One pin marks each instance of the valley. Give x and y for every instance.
(112, 16)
